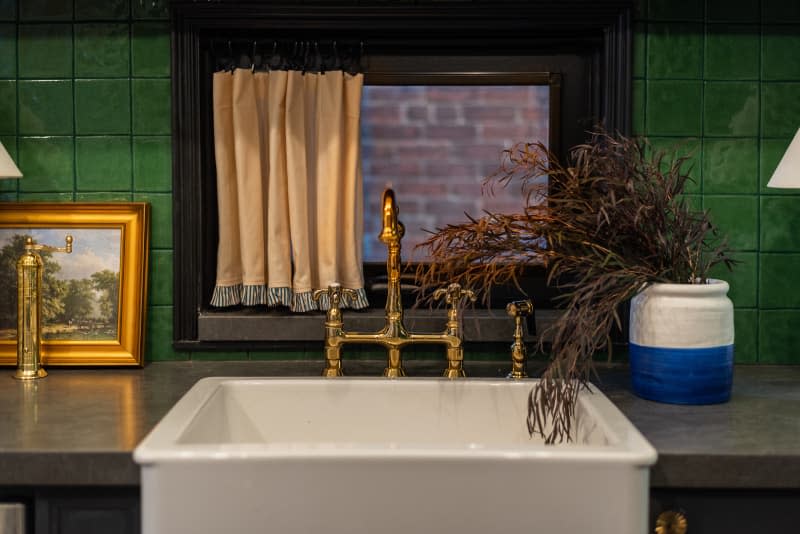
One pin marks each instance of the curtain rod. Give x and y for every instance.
(306, 55)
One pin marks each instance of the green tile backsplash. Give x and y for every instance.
(85, 111)
(744, 110)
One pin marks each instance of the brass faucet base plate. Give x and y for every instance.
(23, 375)
(390, 372)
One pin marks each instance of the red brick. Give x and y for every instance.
(452, 133)
(490, 113)
(447, 113)
(385, 131)
(451, 93)
(386, 113)
(445, 169)
(420, 151)
(416, 113)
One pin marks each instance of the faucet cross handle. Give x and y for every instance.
(335, 294)
(453, 294)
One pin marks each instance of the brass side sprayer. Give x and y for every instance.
(29, 308)
(518, 309)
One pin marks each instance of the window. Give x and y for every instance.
(579, 55)
(435, 144)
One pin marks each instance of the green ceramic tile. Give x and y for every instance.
(742, 279)
(777, 286)
(780, 53)
(695, 202)
(150, 9)
(46, 164)
(639, 62)
(778, 336)
(160, 278)
(780, 11)
(158, 340)
(637, 113)
(103, 163)
(772, 150)
(45, 197)
(730, 166)
(689, 148)
(152, 164)
(45, 107)
(8, 196)
(151, 107)
(731, 109)
(745, 328)
(45, 10)
(8, 50)
(150, 49)
(102, 9)
(732, 10)
(102, 50)
(780, 219)
(674, 108)
(45, 50)
(160, 218)
(736, 217)
(8, 9)
(103, 197)
(8, 107)
(674, 50)
(675, 10)
(780, 109)
(731, 52)
(220, 356)
(102, 107)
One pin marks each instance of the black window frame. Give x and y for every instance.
(582, 46)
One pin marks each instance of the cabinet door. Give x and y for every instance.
(716, 511)
(87, 511)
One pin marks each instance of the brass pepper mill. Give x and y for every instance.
(29, 308)
(518, 309)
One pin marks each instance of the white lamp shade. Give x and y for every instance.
(7, 167)
(787, 173)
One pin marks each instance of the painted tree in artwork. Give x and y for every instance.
(53, 289)
(107, 283)
(78, 301)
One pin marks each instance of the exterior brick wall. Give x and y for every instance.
(435, 145)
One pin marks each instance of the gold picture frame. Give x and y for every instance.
(107, 329)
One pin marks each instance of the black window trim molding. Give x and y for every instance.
(599, 29)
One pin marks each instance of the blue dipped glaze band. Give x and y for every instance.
(682, 376)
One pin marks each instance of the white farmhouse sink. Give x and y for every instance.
(376, 456)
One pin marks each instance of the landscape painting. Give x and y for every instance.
(81, 290)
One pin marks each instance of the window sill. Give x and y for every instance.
(255, 326)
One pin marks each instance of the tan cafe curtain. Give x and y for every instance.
(289, 187)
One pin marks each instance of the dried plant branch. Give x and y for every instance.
(611, 222)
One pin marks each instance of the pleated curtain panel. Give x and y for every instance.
(289, 187)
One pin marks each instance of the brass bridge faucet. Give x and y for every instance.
(394, 335)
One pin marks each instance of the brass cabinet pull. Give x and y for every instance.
(671, 522)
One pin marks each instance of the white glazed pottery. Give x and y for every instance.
(681, 343)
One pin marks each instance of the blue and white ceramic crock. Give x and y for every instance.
(681, 343)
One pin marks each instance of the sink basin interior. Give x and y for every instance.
(430, 413)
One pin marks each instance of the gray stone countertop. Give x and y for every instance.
(79, 426)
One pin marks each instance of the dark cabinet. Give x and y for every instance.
(78, 510)
(721, 511)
